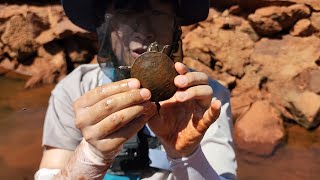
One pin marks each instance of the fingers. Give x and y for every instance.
(104, 91)
(181, 68)
(191, 79)
(192, 85)
(117, 110)
(188, 79)
(105, 107)
(209, 117)
(116, 121)
(202, 93)
(119, 137)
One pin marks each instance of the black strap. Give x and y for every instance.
(134, 159)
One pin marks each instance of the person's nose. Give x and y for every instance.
(149, 36)
(144, 32)
(144, 36)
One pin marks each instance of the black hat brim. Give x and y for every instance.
(87, 14)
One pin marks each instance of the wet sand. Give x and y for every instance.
(21, 120)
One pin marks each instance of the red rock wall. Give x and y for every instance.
(39, 41)
(267, 52)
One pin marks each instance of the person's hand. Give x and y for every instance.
(111, 114)
(183, 119)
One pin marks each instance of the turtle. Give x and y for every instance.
(156, 72)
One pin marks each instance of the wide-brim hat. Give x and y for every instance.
(88, 14)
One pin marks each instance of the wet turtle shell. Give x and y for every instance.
(156, 72)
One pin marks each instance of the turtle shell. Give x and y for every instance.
(156, 72)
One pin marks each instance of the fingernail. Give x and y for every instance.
(182, 80)
(145, 93)
(133, 84)
(182, 95)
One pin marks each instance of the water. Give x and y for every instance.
(8, 88)
(21, 120)
(297, 159)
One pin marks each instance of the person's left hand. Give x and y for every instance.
(184, 119)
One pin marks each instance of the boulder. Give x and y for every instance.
(55, 14)
(246, 28)
(223, 50)
(44, 71)
(269, 21)
(46, 37)
(247, 90)
(260, 130)
(303, 27)
(251, 5)
(224, 78)
(241, 103)
(79, 50)
(12, 10)
(255, 4)
(281, 61)
(20, 32)
(306, 106)
(66, 28)
(19, 36)
(314, 4)
(6, 66)
(187, 29)
(308, 80)
(314, 81)
(198, 66)
(315, 20)
(48, 67)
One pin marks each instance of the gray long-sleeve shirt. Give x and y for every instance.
(216, 155)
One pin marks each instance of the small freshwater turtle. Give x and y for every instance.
(156, 72)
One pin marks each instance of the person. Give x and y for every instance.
(102, 124)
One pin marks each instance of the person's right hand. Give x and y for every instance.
(111, 114)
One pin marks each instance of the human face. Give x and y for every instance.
(134, 29)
